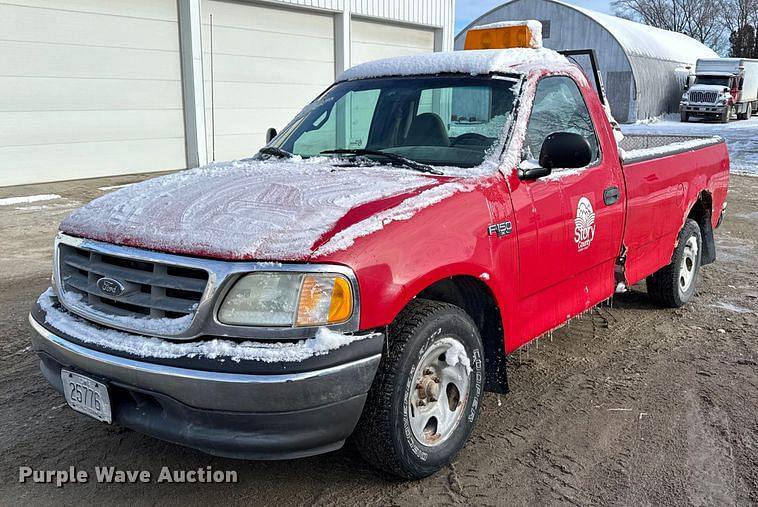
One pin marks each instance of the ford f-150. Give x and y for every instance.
(366, 273)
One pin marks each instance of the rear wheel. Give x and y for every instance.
(427, 393)
(674, 285)
(748, 112)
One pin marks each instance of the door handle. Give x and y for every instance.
(611, 195)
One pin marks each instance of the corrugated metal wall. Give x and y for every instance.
(440, 13)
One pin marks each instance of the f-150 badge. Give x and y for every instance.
(584, 224)
(501, 229)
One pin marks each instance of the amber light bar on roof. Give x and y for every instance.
(511, 34)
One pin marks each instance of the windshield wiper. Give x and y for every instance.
(275, 152)
(396, 159)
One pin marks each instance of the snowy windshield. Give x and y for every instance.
(713, 80)
(441, 121)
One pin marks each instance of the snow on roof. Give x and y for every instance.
(636, 39)
(478, 62)
(534, 26)
(643, 40)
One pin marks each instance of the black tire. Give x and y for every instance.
(726, 115)
(747, 114)
(685, 117)
(383, 435)
(665, 286)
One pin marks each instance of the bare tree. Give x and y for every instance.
(711, 22)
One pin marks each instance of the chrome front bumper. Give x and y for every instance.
(241, 415)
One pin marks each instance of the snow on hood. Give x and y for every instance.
(709, 88)
(244, 210)
(476, 62)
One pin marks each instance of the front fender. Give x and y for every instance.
(394, 264)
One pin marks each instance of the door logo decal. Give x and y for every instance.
(584, 224)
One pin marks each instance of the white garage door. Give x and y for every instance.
(89, 88)
(373, 40)
(262, 65)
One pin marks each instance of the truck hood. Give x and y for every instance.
(709, 88)
(248, 210)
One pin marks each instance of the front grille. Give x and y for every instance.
(703, 97)
(151, 290)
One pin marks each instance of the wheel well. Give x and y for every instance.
(477, 300)
(701, 212)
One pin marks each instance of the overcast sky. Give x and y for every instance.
(468, 10)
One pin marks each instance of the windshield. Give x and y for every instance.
(713, 80)
(443, 121)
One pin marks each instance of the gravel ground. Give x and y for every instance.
(628, 405)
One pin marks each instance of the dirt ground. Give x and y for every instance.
(629, 405)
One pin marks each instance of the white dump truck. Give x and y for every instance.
(723, 87)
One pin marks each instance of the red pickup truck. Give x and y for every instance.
(367, 272)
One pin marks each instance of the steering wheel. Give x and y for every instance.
(472, 138)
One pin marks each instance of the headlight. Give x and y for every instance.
(288, 299)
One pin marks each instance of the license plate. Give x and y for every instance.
(86, 395)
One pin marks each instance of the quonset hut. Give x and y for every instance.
(642, 66)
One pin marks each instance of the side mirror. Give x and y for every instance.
(270, 135)
(565, 150)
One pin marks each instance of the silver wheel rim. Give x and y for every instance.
(439, 391)
(689, 264)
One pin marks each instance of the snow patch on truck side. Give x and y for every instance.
(325, 341)
(403, 211)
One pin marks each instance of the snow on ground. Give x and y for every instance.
(10, 201)
(741, 136)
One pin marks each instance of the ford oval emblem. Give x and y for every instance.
(110, 286)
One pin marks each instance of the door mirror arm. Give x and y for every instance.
(528, 171)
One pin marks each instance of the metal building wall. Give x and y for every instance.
(433, 13)
(571, 29)
(437, 15)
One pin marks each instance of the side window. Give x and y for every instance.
(355, 111)
(558, 107)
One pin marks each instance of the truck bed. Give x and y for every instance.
(664, 178)
(641, 147)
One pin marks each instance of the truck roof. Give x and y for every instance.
(476, 62)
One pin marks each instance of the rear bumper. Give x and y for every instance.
(239, 415)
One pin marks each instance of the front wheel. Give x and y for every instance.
(685, 117)
(674, 285)
(427, 393)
